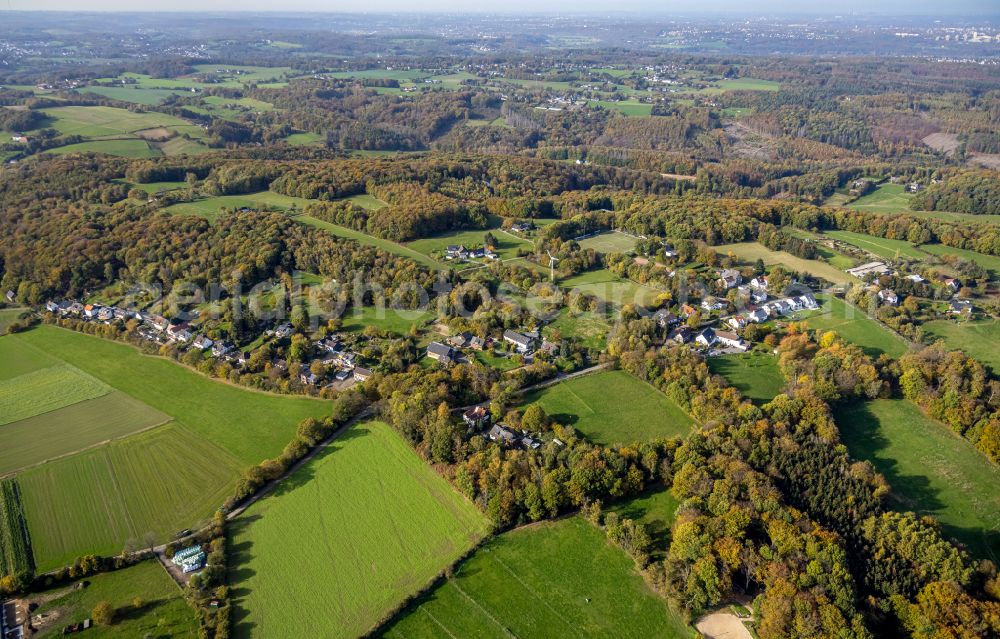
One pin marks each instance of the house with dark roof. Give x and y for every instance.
(441, 352)
(499, 433)
(476, 417)
(706, 337)
(522, 343)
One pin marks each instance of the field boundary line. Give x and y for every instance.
(120, 493)
(435, 620)
(485, 611)
(517, 577)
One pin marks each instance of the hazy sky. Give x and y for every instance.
(688, 7)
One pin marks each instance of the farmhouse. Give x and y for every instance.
(440, 352)
(522, 227)
(914, 187)
(455, 252)
(522, 343)
(871, 268)
(476, 417)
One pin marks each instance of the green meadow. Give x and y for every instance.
(754, 373)
(212, 207)
(886, 198)
(749, 252)
(553, 579)
(346, 539)
(855, 326)
(980, 340)
(133, 148)
(888, 249)
(931, 469)
(612, 407)
(363, 238)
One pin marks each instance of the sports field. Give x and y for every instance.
(855, 326)
(164, 613)
(554, 579)
(931, 469)
(749, 252)
(612, 407)
(346, 539)
(980, 340)
(612, 242)
(755, 374)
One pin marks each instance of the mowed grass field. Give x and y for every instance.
(886, 198)
(931, 469)
(881, 247)
(755, 374)
(588, 327)
(855, 326)
(133, 148)
(387, 319)
(980, 340)
(612, 242)
(212, 207)
(988, 262)
(607, 286)
(44, 390)
(164, 614)
(749, 252)
(99, 121)
(612, 407)
(158, 481)
(104, 481)
(554, 579)
(346, 539)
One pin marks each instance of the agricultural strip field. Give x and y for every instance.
(15, 545)
(749, 252)
(44, 390)
(554, 579)
(612, 407)
(855, 326)
(136, 95)
(612, 242)
(363, 238)
(345, 539)
(879, 246)
(755, 374)
(72, 428)
(931, 469)
(19, 358)
(93, 502)
(980, 340)
(250, 425)
(164, 614)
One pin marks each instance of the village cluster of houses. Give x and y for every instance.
(478, 419)
(459, 252)
(159, 330)
(526, 343)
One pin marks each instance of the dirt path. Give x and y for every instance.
(722, 624)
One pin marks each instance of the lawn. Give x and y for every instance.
(164, 614)
(886, 198)
(346, 539)
(131, 148)
(363, 238)
(66, 430)
(609, 287)
(980, 340)
(8, 316)
(755, 374)
(212, 207)
(612, 407)
(44, 390)
(159, 481)
(657, 509)
(627, 107)
(555, 579)
(931, 469)
(855, 326)
(612, 242)
(888, 249)
(749, 252)
(250, 425)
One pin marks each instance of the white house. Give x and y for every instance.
(732, 340)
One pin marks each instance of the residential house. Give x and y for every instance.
(183, 335)
(669, 250)
(222, 348)
(90, 311)
(476, 343)
(959, 307)
(916, 278)
(105, 314)
(757, 316)
(159, 323)
(549, 348)
(759, 283)
(361, 374)
(756, 296)
(687, 310)
(888, 297)
(737, 322)
(283, 330)
(476, 417)
(665, 319)
(11, 295)
(522, 227)
(705, 337)
(308, 377)
(455, 252)
(713, 304)
(730, 278)
(530, 444)
(330, 344)
(51, 306)
(914, 187)
(202, 343)
(681, 335)
(522, 343)
(500, 434)
(459, 340)
(174, 329)
(279, 365)
(732, 340)
(441, 352)
(950, 282)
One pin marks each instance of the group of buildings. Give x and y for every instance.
(459, 252)
(189, 559)
(523, 343)
(478, 420)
